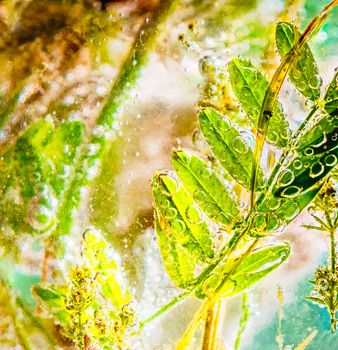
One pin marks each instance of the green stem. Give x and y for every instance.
(174, 301)
(243, 321)
(333, 251)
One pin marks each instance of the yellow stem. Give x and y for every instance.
(213, 325)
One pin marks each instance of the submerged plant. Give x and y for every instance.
(211, 236)
(213, 247)
(92, 308)
(325, 283)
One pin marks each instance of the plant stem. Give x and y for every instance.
(333, 296)
(174, 301)
(213, 325)
(187, 337)
(243, 321)
(333, 250)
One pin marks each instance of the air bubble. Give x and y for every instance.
(272, 137)
(168, 183)
(224, 123)
(330, 160)
(199, 196)
(178, 226)
(211, 283)
(165, 203)
(291, 191)
(297, 164)
(240, 145)
(296, 74)
(273, 203)
(246, 91)
(291, 211)
(286, 177)
(205, 173)
(170, 213)
(316, 169)
(224, 218)
(211, 210)
(193, 214)
(309, 151)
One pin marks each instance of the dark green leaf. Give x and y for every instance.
(250, 86)
(252, 269)
(331, 97)
(317, 155)
(49, 297)
(228, 145)
(304, 72)
(208, 191)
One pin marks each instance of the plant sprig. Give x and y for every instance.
(186, 202)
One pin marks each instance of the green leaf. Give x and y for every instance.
(275, 213)
(250, 86)
(251, 269)
(184, 236)
(229, 146)
(317, 155)
(331, 97)
(179, 262)
(203, 184)
(304, 73)
(49, 297)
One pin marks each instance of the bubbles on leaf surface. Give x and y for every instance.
(291, 191)
(316, 169)
(286, 177)
(199, 196)
(297, 164)
(170, 213)
(272, 203)
(168, 183)
(291, 210)
(330, 160)
(178, 226)
(193, 214)
(240, 145)
(224, 123)
(205, 172)
(309, 151)
(42, 210)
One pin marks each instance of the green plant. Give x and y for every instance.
(211, 247)
(325, 291)
(92, 308)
